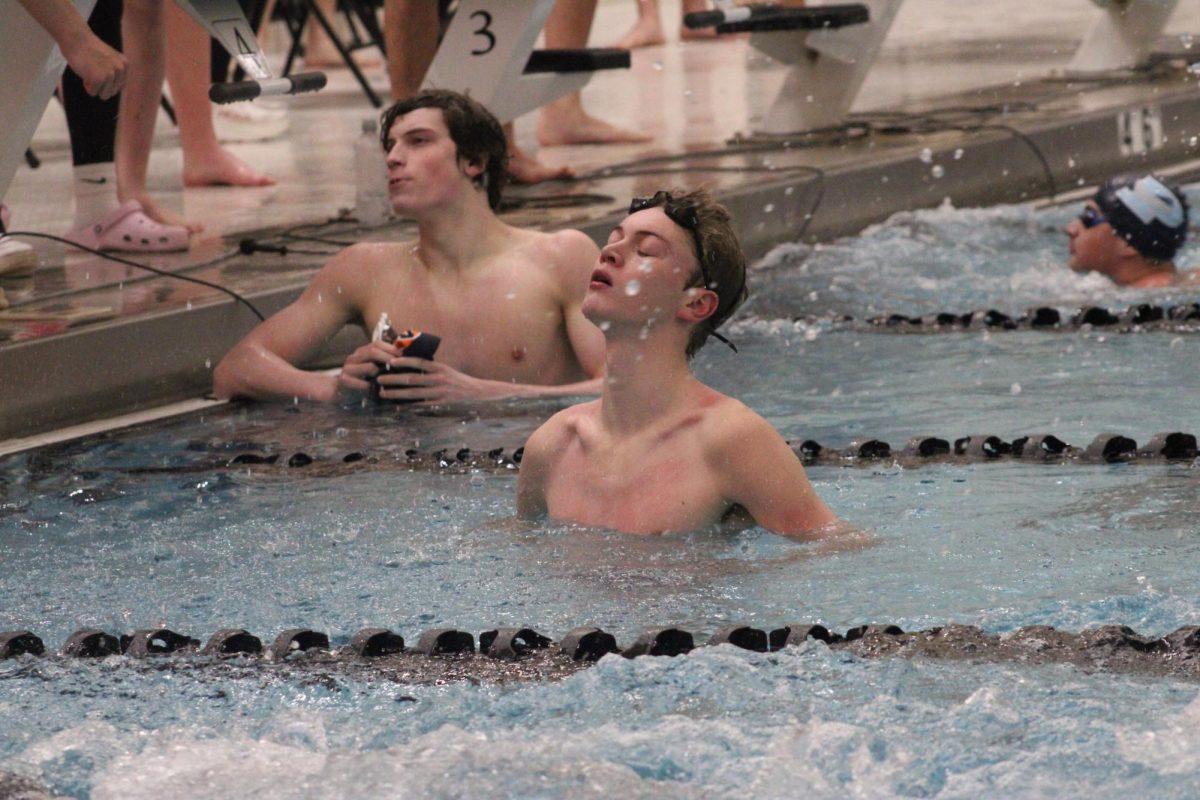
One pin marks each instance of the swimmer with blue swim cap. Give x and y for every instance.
(1130, 231)
(660, 451)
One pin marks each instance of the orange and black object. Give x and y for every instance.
(414, 344)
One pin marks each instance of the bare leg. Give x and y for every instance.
(564, 121)
(318, 48)
(410, 36)
(205, 162)
(142, 30)
(647, 31)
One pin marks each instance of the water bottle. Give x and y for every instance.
(372, 205)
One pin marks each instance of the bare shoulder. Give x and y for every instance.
(569, 253)
(569, 422)
(731, 428)
(358, 262)
(549, 441)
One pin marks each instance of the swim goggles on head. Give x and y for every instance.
(1091, 217)
(683, 213)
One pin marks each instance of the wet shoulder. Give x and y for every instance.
(566, 254)
(730, 426)
(366, 258)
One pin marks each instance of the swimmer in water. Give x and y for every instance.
(505, 301)
(1130, 231)
(660, 451)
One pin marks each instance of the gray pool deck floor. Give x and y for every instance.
(87, 338)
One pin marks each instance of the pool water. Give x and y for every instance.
(146, 528)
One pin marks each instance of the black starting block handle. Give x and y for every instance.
(591, 59)
(774, 18)
(248, 90)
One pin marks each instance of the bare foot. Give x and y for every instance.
(565, 122)
(222, 168)
(524, 168)
(646, 32)
(156, 212)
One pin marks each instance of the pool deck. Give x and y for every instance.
(87, 338)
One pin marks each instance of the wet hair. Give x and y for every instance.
(720, 260)
(1147, 213)
(476, 134)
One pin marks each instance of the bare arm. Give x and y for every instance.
(262, 365)
(536, 464)
(101, 68)
(765, 477)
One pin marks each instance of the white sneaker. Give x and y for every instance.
(253, 121)
(17, 259)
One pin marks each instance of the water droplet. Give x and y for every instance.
(189, 305)
(633, 287)
(510, 296)
(789, 190)
(768, 208)
(604, 325)
(1187, 40)
(658, 65)
(1015, 389)
(1079, 182)
(687, 92)
(958, 153)
(811, 334)
(341, 432)
(208, 363)
(320, 298)
(926, 156)
(812, 297)
(937, 170)
(1193, 141)
(1071, 163)
(883, 179)
(808, 98)
(644, 333)
(644, 266)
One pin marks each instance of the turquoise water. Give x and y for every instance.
(141, 529)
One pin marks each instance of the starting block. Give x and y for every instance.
(488, 52)
(1121, 36)
(226, 23)
(830, 50)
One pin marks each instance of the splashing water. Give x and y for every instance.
(633, 288)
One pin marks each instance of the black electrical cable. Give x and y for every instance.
(147, 267)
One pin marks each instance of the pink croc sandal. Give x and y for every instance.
(128, 228)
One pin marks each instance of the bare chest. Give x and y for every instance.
(638, 488)
(500, 326)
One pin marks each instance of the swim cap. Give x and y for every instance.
(1145, 212)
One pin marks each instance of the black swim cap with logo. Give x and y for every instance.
(1145, 212)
